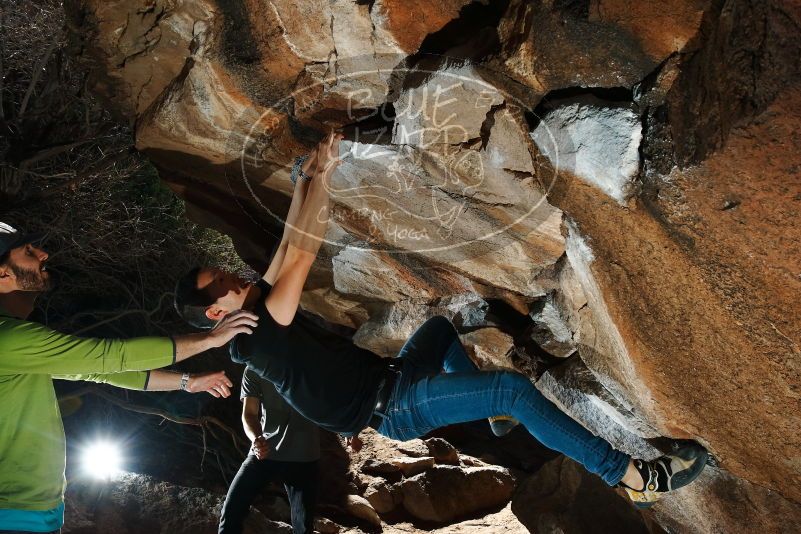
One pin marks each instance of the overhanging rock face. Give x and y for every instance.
(660, 249)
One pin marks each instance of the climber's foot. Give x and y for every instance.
(502, 424)
(667, 473)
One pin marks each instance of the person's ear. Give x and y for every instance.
(214, 313)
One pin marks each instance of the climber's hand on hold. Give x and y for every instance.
(328, 154)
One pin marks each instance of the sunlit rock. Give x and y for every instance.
(448, 108)
(490, 348)
(597, 142)
(551, 330)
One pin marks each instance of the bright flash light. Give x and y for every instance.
(102, 460)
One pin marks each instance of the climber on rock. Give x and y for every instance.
(430, 384)
(32, 442)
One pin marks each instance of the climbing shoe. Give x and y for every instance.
(667, 473)
(502, 424)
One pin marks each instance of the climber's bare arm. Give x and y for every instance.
(305, 237)
(283, 300)
(298, 197)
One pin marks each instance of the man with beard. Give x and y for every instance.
(432, 382)
(32, 442)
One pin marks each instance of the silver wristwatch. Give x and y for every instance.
(184, 381)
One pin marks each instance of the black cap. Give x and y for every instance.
(11, 238)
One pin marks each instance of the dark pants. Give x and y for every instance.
(300, 481)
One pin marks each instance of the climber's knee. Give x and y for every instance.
(440, 323)
(514, 381)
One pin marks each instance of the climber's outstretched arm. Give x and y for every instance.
(298, 198)
(304, 238)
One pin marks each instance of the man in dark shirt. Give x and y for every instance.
(286, 448)
(432, 383)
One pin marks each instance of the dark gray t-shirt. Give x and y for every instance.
(292, 437)
(325, 377)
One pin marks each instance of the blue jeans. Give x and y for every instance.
(425, 398)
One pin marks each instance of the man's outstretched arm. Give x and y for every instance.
(214, 383)
(238, 322)
(305, 237)
(29, 347)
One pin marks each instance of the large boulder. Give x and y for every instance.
(661, 256)
(446, 492)
(692, 332)
(549, 46)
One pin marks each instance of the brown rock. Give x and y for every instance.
(719, 502)
(413, 466)
(375, 275)
(335, 307)
(442, 451)
(447, 492)
(489, 348)
(383, 497)
(660, 28)
(682, 303)
(140, 47)
(747, 53)
(563, 497)
(416, 448)
(386, 331)
(692, 333)
(410, 22)
(448, 109)
(379, 467)
(358, 506)
(326, 526)
(137, 503)
(546, 49)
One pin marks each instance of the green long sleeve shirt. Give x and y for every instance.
(32, 443)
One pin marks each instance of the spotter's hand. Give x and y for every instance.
(215, 384)
(238, 322)
(260, 448)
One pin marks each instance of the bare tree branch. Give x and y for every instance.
(204, 422)
(37, 73)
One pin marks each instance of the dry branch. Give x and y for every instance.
(204, 422)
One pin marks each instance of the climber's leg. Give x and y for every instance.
(435, 347)
(436, 401)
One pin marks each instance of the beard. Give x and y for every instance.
(31, 279)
